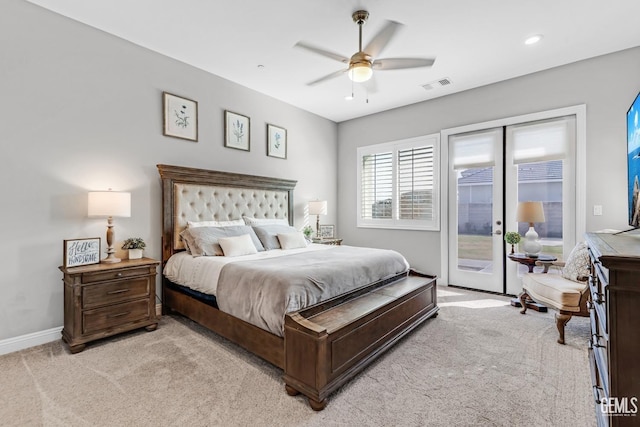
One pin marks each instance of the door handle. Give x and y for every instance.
(498, 232)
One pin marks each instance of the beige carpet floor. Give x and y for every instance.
(479, 363)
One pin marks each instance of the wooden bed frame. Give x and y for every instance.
(324, 345)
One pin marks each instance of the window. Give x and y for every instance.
(398, 184)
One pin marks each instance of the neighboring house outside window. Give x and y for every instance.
(536, 181)
(398, 184)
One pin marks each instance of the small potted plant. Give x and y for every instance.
(513, 238)
(135, 246)
(308, 232)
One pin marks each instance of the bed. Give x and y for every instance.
(322, 344)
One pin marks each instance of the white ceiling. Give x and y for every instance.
(474, 42)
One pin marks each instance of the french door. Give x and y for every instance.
(490, 171)
(476, 255)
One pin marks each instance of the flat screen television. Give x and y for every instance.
(633, 162)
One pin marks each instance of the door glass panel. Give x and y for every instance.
(542, 181)
(475, 218)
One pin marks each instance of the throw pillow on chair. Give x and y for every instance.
(567, 292)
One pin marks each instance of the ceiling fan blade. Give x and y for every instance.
(400, 63)
(328, 77)
(322, 52)
(380, 40)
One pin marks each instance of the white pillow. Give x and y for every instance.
(578, 264)
(237, 245)
(292, 240)
(215, 223)
(264, 221)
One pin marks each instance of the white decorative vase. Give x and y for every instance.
(531, 245)
(135, 253)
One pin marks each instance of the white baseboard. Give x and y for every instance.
(10, 345)
(37, 338)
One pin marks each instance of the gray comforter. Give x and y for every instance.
(261, 292)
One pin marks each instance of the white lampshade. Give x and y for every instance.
(530, 212)
(109, 203)
(360, 72)
(318, 207)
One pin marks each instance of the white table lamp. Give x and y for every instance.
(318, 207)
(530, 212)
(109, 204)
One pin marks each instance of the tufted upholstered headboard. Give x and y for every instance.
(190, 194)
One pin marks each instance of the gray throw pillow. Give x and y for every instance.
(203, 241)
(268, 234)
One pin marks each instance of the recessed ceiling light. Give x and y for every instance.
(533, 39)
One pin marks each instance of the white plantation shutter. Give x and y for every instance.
(377, 185)
(397, 185)
(415, 183)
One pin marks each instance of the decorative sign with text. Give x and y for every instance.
(81, 252)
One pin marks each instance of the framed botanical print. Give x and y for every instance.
(237, 131)
(180, 117)
(276, 141)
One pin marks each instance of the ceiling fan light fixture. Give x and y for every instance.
(360, 72)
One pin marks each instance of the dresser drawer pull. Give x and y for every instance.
(119, 291)
(596, 340)
(119, 275)
(599, 299)
(111, 316)
(596, 393)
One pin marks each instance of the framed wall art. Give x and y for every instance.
(180, 117)
(327, 231)
(81, 252)
(237, 131)
(276, 141)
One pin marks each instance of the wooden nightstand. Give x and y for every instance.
(102, 300)
(335, 242)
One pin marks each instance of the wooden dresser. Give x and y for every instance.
(614, 347)
(101, 300)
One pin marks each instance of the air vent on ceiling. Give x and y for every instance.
(437, 83)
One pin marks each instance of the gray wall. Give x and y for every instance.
(81, 110)
(607, 85)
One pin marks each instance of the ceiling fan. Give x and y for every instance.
(363, 62)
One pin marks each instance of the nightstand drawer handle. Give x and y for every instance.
(119, 291)
(111, 316)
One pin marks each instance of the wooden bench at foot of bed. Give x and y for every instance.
(329, 343)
